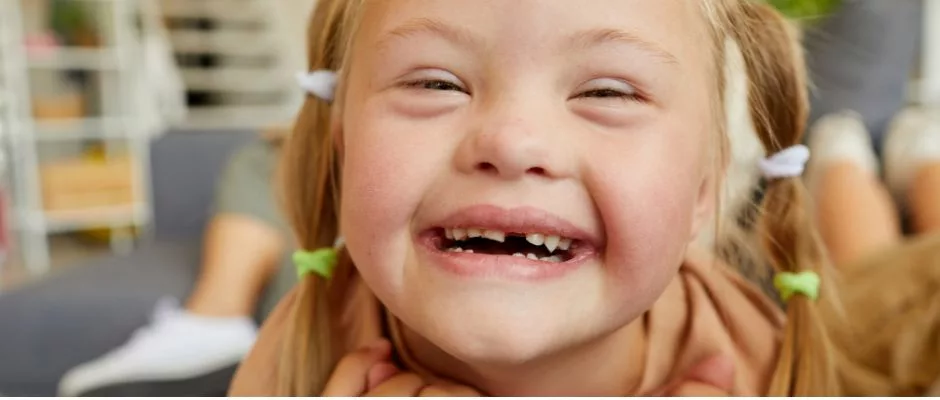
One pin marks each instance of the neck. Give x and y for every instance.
(612, 365)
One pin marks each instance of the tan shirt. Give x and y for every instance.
(707, 309)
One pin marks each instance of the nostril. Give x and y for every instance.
(486, 167)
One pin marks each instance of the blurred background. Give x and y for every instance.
(126, 134)
(86, 86)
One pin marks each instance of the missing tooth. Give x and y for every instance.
(513, 245)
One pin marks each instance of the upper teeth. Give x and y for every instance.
(495, 236)
(551, 242)
(537, 239)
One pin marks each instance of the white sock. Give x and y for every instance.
(839, 137)
(913, 139)
(176, 345)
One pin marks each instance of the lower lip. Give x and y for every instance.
(476, 265)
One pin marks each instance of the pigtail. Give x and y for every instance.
(310, 348)
(779, 107)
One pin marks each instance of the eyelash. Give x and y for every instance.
(435, 84)
(443, 85)
(608, 93)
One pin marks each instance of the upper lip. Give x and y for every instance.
(519, 220)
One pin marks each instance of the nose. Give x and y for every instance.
(512, 145)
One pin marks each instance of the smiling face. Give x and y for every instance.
(566, 145)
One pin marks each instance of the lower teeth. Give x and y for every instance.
(530, 256)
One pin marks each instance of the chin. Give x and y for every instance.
(499, 330)
(495, 344)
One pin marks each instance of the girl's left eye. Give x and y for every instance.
(609, 89)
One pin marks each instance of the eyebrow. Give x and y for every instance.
(420, 26)
(583, 40)
(595, 37)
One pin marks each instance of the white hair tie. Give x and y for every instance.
(320, 83)
(788, 163)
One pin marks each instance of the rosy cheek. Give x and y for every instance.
(370, 203)
(385, 173)
(646, 207)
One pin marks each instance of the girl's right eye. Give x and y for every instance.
(435, 84)
(434, 79)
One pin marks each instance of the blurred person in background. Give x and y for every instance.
(872, 157)
(246, 246)
(875, 176)
(245, 267)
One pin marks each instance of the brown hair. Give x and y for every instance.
(789, 242)
(311, 174)
(778, 106)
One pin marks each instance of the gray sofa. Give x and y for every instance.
(82, 311)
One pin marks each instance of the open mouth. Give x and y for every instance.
(530, 245)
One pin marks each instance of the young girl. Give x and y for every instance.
(519, 185)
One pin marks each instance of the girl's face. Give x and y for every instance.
(523, 176)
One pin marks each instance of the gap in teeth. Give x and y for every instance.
(551, 242)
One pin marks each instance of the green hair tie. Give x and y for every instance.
(320, 262)
(790, 284)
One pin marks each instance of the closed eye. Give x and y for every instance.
(435, 84)
(609, 89)
(609, 93)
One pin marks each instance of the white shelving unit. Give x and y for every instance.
(929, 90)
(120, 109)
(5, 185)
(254, 55)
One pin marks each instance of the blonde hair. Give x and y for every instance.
(778, 106)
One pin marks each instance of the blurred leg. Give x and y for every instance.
(924, 199)
(246, 239)
(912, 166)
(241, 254)
(855, 213)
(242, 247)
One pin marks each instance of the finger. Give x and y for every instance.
(434, 391)
(697, 389)
(716, 371)
(402, 385)
(448, 390)
(350, 378)
(380, 373)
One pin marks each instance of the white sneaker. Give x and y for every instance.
(839, 137)
(176, 345)
(913, 139)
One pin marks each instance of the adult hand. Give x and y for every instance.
(711, 377)
(370, 372)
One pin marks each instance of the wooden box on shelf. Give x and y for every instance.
(83, 184)
(63, 107)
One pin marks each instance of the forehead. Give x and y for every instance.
(673, 30)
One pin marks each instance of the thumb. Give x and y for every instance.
(712, 376)
(379, 373)
(716, 370)
(351, 376)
